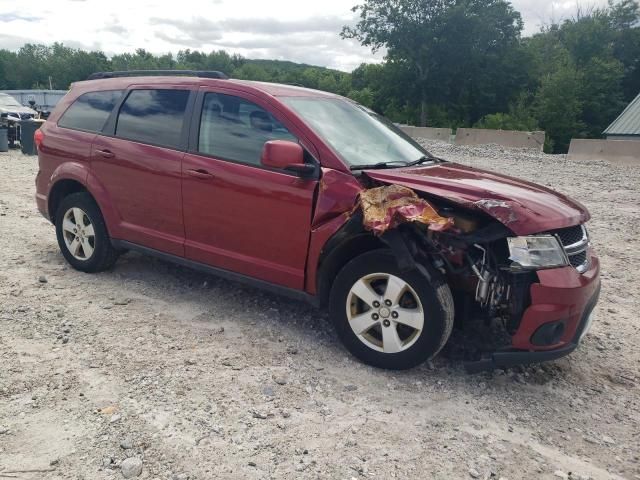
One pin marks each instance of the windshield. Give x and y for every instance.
(359, 135)
(8, 101)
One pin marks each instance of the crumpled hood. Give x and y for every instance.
(523, 207)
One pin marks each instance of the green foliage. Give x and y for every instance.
(363, 97)
(453, 63)
(449, 63)
(559, 106)
(520, 117)
(445, 48)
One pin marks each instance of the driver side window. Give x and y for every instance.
(232, 128)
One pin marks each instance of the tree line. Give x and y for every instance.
(448, 63)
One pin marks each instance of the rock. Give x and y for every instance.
(280, 380)
(43, 279)
(131, 467)
(292, 350)
(259, 415)
(268, 391)
(560, 474)
(122, 301)
(473, 473)
(115, 418)
(126, 444)
(608, 440)
(350, 388)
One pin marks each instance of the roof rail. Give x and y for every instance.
(171, 73)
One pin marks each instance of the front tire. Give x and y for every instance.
(82, 234)
(388, 318)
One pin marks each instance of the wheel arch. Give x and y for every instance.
(340, 249)
(69, 179)
(62, 188)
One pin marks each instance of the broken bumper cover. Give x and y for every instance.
(563, 296)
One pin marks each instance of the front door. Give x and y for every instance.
(238, 215)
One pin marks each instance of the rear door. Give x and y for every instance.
(139, 166)
(238, 215)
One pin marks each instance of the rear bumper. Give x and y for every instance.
(562, 297)
(41, 202)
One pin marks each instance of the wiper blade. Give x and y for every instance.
(425, 159)
(379, 166)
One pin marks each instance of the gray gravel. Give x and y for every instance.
(204, 378)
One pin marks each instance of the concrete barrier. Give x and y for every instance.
(506, 138)
(619, 152)
(428, 133)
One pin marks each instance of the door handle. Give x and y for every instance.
(106, 153)
(199, 173)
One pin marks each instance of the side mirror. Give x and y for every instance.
(286, 155)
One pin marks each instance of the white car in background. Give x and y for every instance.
(12, 111)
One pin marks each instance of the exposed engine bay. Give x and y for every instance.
(469, 248)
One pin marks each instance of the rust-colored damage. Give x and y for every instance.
(387, 207)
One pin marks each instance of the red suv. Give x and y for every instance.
(312, 195)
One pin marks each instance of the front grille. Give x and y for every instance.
(579, 259)
(575, 241)
(570, 235)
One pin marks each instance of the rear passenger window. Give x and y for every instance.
(90, 111)
(235, 129)
(153, 116)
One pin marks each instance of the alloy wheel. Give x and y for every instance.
(385, 313)
(78, 232)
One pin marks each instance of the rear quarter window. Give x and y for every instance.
(153, 116)
(90, 111)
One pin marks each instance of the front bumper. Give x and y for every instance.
(562, 296)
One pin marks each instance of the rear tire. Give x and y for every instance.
(388, 318)
(82, 234)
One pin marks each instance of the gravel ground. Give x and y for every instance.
(156, 369)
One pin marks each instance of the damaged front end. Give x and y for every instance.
(468, 247)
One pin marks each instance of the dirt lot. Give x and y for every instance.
(199, 378)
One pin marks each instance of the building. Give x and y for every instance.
(44, 100)
(627, 125)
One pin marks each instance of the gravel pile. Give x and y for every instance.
(154, 371)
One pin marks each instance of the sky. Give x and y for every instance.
(300, 31)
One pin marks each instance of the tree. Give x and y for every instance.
(520, 117)
(438, 38)
(559, 107)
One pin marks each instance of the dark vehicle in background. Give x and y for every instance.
(11, 114)
(311, 195)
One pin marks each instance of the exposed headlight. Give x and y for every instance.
(539, 251)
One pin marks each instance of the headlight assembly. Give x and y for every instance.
(539, 251)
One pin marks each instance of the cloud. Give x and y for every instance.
(190, 33)
(271, 26)
(115, 27)
(13, 42)
(13, 16)
(313, 40)
(537, 14)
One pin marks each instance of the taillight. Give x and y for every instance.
(38, 137)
